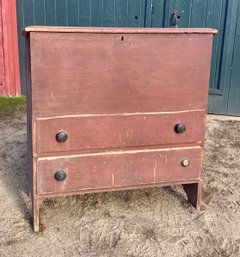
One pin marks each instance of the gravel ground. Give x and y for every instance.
(151, 222)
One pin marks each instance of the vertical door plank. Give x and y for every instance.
(84, 12)
(213, 19)
(21, 44)
(108, 13)
(72, 12)
(218, 104)
(28, 8)
(157, 13)
(184, 8)
(96, 13)
(134, 13)
(120, 13)
(234, 93)
(39, 14)
(198, 13)
(61, 12)
(50, 7)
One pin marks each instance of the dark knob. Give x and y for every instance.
(61, 136)
(60, 175)
(180, 128)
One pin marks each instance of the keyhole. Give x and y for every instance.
(178, 17)
(136, 17)
(122, 38)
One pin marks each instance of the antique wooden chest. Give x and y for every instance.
(115, 108)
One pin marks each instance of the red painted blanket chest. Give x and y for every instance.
(115, 108)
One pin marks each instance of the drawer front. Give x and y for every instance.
(110, 73)
(111, 170)
(118, 131)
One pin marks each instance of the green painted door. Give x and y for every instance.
(224, 89)
(233, 107)
(222, 15)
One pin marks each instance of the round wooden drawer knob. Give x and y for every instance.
(185, 162)
(61, 136)
(180, 128)
(60, 175)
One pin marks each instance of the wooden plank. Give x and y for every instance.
(50, 7)
(234, 92)
(108, 13)
(218, 104)
(214, 18)
(96, 14)
(157, 13)
(39, 12)
(135, 13)
(32, 180)
(117, 170)
(198, 13)
(101, 63)
(10, 79)
(72, 12)
(86, 191)
(84, 12)
(120, 13)
(118, 131)
(167, 15)
(184, 8)
(2, 65)
(21, 44)
(61, 13)
(217, 59)
(97, 30)
(28, 7)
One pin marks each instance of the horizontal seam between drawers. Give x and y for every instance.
(118, 114)
(121, 152)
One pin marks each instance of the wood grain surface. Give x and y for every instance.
(118, 94)
(113, 30)
(118, 131)
(118, 169)
(118, 73)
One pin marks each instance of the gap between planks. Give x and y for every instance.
(120, 152)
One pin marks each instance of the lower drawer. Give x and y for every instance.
(117, 169)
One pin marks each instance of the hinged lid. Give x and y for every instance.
(120, 30)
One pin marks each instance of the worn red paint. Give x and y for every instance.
(129, 89)
(9, 60)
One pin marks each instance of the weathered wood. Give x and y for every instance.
(118, 94)
(100, 30)
(117, 169)
(219, 104)
(108, 73)
(118, 130)
(234, 92)
(9, 62)
(193, 192)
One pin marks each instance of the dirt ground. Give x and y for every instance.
(151, 222)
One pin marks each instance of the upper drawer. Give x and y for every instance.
(118, 131)
(78, 73)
